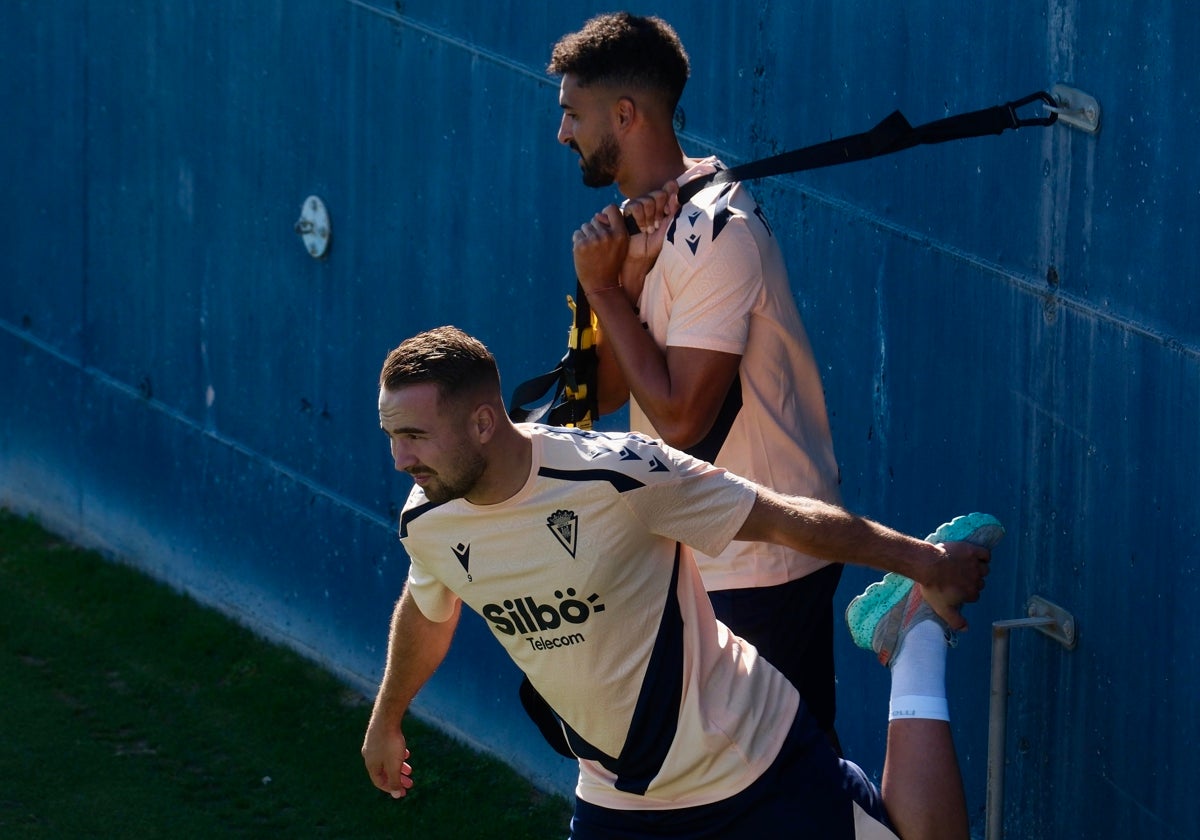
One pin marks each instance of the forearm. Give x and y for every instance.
(416, 647)
(681, 389)
(611, 272)
(833, 533)
(629, 352)
(613, 392)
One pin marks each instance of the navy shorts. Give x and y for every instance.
(792, 627)
(806, 792)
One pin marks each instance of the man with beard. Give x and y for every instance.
(575, 548)
(699, 331)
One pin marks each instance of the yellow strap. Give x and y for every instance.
(579, 340)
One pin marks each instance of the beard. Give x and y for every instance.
(600, 169)
(455, 483)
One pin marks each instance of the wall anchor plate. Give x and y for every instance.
(1076, 108)
(313, 226)
(1061, 624)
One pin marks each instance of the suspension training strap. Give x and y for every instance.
(571, 385)
(892, 134)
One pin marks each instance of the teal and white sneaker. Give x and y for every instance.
(881, 616)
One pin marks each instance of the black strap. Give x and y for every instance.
(892, 134)
(534, 391)
(567, 394)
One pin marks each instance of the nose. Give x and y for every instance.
(402, 458)
(564, 132)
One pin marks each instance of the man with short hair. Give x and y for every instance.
(704, 339)
(575, 548)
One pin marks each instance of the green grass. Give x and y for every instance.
(128, 710)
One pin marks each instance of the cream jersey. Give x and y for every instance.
(584, 579)
(720, 284)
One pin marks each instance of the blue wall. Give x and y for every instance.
(1009, 324)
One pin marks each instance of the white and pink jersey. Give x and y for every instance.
(720, 284)
(585, 577)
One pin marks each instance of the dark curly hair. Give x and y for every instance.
(624, 49)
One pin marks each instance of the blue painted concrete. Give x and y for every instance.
(1009, 324)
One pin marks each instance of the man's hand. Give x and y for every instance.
(607, 257)
(385, 753)
(956, 579)
(653, 213)
(599, 248)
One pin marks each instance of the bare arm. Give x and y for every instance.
(680, 390)
(950, 574)
(610, 379)
(416, 647)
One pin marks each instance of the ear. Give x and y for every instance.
(484, 422)
(625, 112)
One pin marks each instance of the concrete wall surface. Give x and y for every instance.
(1009, 324)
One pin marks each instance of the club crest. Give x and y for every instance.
(564, 524)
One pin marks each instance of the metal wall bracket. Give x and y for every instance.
(1051, 620)
(1061, 624)
(1076, 108)
(313, 226)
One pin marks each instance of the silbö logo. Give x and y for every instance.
(528, 617)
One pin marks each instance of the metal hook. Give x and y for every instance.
(1045, 98)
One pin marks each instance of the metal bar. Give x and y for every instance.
(998, 721)
(1051, 620)
(997, 728)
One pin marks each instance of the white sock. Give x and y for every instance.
(919, 675)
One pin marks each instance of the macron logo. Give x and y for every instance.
(463, 553)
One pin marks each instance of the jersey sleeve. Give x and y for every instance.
(435, 601)
(716, 290)
(694, 502)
